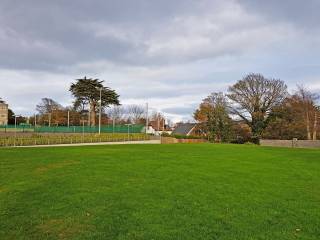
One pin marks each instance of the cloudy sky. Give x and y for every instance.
(170, 53)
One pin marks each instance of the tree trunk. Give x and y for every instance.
(93, 114)
(315, 123)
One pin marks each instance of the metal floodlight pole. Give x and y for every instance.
(15, 129)
(164, 123)
(49, 119)
(100, 111)
(82, 129)
(89, 118)
(68, 118)
(129, 124)
(158, 123)
(35, 120)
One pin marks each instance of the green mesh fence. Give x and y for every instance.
(18, 128)
(76, 129)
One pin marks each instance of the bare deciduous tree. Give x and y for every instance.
(307, 99)
(47, 105)
(136, 113)
(116, 113)
(253, 98)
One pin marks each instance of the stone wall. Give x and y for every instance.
(291, 143)
(170, 140)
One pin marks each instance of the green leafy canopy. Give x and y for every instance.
(87, 91)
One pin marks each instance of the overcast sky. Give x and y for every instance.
(170, 53)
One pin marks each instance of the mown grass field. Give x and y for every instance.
(183, 191)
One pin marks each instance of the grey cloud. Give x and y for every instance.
(187, 110)
(303, 13)
(173, 53)
(51, 34)
(55, 35)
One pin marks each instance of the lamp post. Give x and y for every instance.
(100, 110)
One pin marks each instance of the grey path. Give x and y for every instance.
(95, 144)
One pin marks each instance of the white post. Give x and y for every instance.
(35, 120)
(158, 124)
(100, 111)
(147, 116)
(15, 129)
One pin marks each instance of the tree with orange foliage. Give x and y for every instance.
(213, 117)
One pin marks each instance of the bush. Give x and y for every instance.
(186, 137)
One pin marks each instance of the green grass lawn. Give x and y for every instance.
(183, 191)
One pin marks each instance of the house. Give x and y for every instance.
(158, 127)
(186, 129)
(3, 113)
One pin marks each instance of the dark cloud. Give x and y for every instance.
(51, 34)
(54, 35)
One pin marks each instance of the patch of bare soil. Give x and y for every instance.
(60, 228)
(52, 166)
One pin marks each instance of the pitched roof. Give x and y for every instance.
(183, 128)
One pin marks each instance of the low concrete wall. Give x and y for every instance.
(170, 140)
(94, 144)
(291, 143)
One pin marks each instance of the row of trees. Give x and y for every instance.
(257, 107)
(87, 93)
(50, 112)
